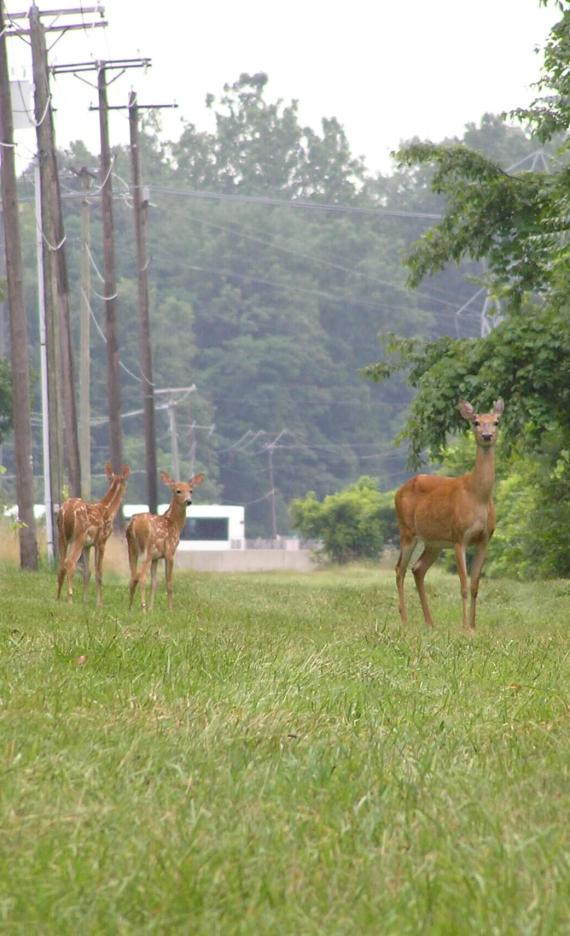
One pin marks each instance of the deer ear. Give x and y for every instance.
(126, 471)
(109, 469)
(164, 476)
(197, 479)
(498, 407)
(466, 410)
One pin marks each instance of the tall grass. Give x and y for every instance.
(279, 756)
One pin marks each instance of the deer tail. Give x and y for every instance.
(65, 525)
(132, 547)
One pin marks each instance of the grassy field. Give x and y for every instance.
(279, 756)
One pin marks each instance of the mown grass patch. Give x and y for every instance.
(279, 755)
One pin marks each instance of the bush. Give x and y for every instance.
(351, 524)
(532, 538)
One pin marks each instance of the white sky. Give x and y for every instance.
(387, 69)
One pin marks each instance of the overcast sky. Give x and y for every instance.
(387, 69)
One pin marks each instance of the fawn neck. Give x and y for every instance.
(482, 478)
(176, 514)
(112, 499)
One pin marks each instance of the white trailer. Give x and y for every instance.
(207, 527)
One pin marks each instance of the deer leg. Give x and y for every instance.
(406, 551)
(99, 554)
(61, 570)
(476, 568)
(142, 578)
(132, 587)
(133, 562)
(419, 569)
(86, 571)
(71, 564)
(463, 578)
(168, 567)
(153, 582)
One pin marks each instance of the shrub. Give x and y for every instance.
(351, 524)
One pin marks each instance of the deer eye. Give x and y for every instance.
(476, 422)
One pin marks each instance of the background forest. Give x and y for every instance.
(277, 261)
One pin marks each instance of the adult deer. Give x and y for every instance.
(156, 537)
(82, 525)
(445, 512)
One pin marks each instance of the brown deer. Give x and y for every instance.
(82, 525)
(444, 512)
(156, 537)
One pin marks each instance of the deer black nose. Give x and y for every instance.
(487, 436)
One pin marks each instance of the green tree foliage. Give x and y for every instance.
(549, 114)
(525, 360)
(268, 297)
(513, 221)
(517, 223)
(259, 147)
(532, 537)
(282, 305)
(349, 524)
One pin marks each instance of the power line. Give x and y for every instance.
(297, 203)
(377, 211)
(313, 258)
(319, 294)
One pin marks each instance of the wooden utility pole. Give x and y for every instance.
(110, 277)
(51, 461)
(272, 489)
(57, 305)
(270, 447)
(53, 291)
(18, 323)
(109, 272)
(140, 206)
(175, 454)
(46, 236)
(84, 340)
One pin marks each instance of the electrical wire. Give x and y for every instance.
(297, 204)
(319, 294)
(244, 233)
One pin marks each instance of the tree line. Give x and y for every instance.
(277, 260)
(518, 223)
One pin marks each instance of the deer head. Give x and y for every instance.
(182, 490)
(116, 489)
(485, 425)
(120, 477)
